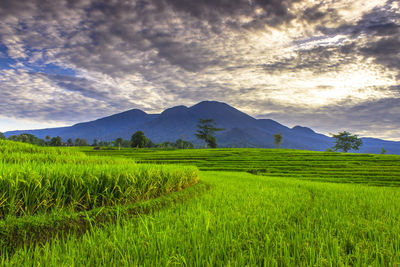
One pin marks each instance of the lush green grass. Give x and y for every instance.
(17, 152)
(34, 185)
(333, 167)
(26, 189)
(274, 219)
(28, 231)
(244, 220)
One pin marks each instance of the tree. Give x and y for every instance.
(80, 142)
(27, 138)
(70, 142)
(166, 144)
(105, 143)
(2, 136)
(118, 142)
(47, 138)
(206, 129)
(95, 142)
(183, 144)
(56, 141)
(179, 143)
(139, 140)
(278, 139)
(346, 141)
(150, 144)
(212, 142)
(121, 143)
(383, 151)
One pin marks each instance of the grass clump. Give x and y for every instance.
(29, 186)
(31, 231)
(26, 189)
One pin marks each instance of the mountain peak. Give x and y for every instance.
(129, 114)
(299, 128)
(213, 107)
(174, 110)
(208, 104)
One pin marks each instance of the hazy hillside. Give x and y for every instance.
(241, 130)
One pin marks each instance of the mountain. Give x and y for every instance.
(241, 130)
(121, 125)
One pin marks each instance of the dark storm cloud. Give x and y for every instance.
(380, 21)
(275, 11)
(319, 14)
(382, 28)
(190, 57)
(81, 85)
(320, 59)
(385, 51)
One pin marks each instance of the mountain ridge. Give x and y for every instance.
(241, 129)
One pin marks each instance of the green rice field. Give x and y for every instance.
(245, 207)
(369, 169)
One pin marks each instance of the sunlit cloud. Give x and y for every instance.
(70, 61)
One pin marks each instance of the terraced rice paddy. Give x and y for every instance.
(38, 180)
(252, 207)
(371, 169)
(46, 181)
(244, 220)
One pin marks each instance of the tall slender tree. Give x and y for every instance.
(70, 142)
(118, 142)
(206, 130)
(47, 139)
(95, 142)
(278, 139)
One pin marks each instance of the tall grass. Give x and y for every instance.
(29, 188)
(34, 179)
(16, 152)
(244, 220)
(7, 147)
(274, 219)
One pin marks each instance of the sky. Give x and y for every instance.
(330, 65)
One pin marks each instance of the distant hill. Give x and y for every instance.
(241, 130)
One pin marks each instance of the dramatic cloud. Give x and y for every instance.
(329, 65)
(381, 115)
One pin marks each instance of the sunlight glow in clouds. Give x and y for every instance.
(302, 61)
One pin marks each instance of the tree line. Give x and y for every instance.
(206, 130)
(118, 142)
(137, 140)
